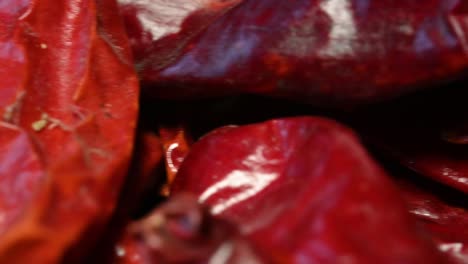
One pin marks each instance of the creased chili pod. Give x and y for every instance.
(326, 52)
(182, 231)
(69, 106)
(444, 217)
(304, 191)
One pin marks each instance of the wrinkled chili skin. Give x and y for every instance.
(309, 177)
(337, 52)
(151, 26)
(68, 104)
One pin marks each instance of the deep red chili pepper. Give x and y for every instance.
(69, 107)
(154, 22)
(181, 231)
(303, 190)
(448, 224)
(320, 51)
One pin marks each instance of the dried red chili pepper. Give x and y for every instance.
(321, 51)
(303, 190)
(69, 106)
(447, 223)
(176, 144)
(151, 25)
(181, 231)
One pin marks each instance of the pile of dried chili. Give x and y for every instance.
(233, 131)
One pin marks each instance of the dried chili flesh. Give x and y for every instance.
(337, 52)
(446, 222)
(183, 231)
(69, 106)
(309, 177)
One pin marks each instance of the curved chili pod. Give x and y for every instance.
(448, 224)
(69, 106)
(305, 191)
(153, 25)
(182, 231)
(321, 51)
(176, 144)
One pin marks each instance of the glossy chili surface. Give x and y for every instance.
(447, 222)
(182, 231)
(309, 177)
(87, 176)
(336, 52)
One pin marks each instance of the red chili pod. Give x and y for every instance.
(447, 223)
(182, 231)
(70, 98)
(303, 190)
(176, 143)
(325, 52)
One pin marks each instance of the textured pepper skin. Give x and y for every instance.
(68, 106)
(320, 51)
(308, 177)
(157, 22)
